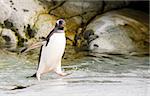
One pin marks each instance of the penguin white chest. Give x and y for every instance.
(57, 40)
(53, 52)
(56, 45)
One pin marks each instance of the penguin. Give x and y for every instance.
(51, 52)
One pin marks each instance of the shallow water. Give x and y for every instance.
(91, 76)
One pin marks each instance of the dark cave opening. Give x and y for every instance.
(142, 5)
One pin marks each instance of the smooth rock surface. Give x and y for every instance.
(10, 39)
(122, 31)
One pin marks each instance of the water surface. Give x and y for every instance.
(108, 75)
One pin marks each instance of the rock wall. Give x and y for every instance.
(23, 21)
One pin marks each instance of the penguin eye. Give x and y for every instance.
(60, 22)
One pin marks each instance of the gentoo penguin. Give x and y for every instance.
(52, 51)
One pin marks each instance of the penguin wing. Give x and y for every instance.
(33, 46)
(39, 44)
(50, 34)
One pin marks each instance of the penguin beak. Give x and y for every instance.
(62, 25)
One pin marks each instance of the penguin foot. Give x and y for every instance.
(63, 74)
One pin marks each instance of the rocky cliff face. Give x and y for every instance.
(23, 21)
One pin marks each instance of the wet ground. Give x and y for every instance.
(108, 75)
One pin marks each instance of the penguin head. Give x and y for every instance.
(60, 23)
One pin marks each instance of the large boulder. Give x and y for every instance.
(122, 32)
(28, 19)
(21, 13)
(44, 24)
(9, 39)
(5, 11)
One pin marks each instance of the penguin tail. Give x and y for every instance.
(32, 76)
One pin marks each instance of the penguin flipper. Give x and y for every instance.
(23, 50)
(33, 46)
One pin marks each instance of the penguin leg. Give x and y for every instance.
(42, 70)
(59, 71)
(38, 76)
